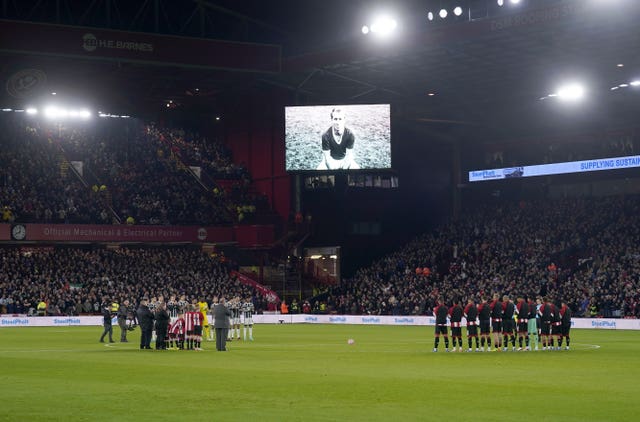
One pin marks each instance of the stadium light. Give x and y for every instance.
(430, 16)
(500, 3)
(59, 113)
(635, 83)
(443, 13)
(365, 29)
(571, 92)
(514, 1)
(383, 25)
(32, 111)
(457, 11)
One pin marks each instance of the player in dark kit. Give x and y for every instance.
(496, 321)
(484, 316)
(533, 332)
(455, 317)
(522, 308)
(565, 313)
(546, 315)
(471, 314)
(441, 312)
(508, 323)
(556, 328)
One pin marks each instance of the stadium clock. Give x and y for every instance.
(18, 232)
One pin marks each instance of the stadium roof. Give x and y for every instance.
(487, 70)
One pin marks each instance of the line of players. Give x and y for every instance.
(189, 322)
(533, 322)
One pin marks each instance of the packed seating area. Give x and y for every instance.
(33, 187)
(586, 252)
(74, 281)
(131, 173)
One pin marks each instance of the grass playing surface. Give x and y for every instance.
(309, 372)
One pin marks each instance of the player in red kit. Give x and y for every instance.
(471, 314)
(176, 333)
(193, 321)
(441, 312)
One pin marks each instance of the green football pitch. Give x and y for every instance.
(310, 372)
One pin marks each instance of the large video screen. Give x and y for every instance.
(601, 164)
(338, 137)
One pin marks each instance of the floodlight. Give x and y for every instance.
(514, 1)
(623, 85)
(84, 114)
(457, 11)
(571, 92)
(383, 25)
(365, 29)
(32, 111)
(634, 83)
(7, 109)
(443, 13)
(500, 3)
(430, 16)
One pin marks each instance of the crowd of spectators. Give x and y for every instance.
(583, 251)
(131, 173)
(74, 281)
(34, 185)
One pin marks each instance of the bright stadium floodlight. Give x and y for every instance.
(572, 92)
(635, 83)
(31, 110)
(457, 11)
(365, 29)
(430, 16)
(500, 3)
(383, 26)
(514, 1)
(443, 13)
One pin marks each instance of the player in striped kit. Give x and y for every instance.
(247, 314)
(193, 321)
(182, 304)
(176, 333)
(172, 307)
(234, 306)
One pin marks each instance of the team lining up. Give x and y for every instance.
(533, 322)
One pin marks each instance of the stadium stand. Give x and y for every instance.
(582, 251)
(131, 173)
(74, 281)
